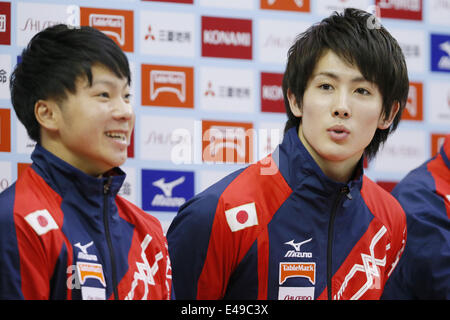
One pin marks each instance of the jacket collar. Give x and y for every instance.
(298, 167)
(63, 177)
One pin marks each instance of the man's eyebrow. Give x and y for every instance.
(108, 83)
(336, 77)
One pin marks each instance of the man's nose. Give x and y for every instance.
(341, 108)
(123, 110)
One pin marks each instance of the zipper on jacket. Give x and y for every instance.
(344, 191)
(106, 187)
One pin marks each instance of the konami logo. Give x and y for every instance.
(116, 24)
(414, 105)
(271, 92)
(227, 38)
(400, 9)
(287, 5)
(227, 142)
(167, 86)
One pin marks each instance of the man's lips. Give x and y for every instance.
(338, 132)
(118, 135)
(339, 129)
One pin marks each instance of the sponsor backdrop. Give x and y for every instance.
(206, 84)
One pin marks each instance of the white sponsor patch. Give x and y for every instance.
(296, 293)
(92, 293)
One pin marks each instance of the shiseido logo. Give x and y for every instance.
(36, 25)
(164, 138)
(278, 41)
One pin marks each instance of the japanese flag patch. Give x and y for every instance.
(242, 217)
(41, 221)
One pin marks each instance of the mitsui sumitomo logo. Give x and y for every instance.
(164, 190)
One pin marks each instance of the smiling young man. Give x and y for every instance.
(316, 227)
(64, 231)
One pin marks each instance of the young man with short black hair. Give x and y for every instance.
(64, 231)
(316, 227)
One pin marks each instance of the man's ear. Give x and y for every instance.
(386, 121)
(293, 104)
(46, 113)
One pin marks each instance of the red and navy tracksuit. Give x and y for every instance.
(67, 235)
(424, 269)
(281, 229)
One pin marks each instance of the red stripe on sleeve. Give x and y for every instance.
(38, 253)
(265, 187)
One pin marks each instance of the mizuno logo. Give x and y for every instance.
(167, 187)
(84, 254)
(445, 47)
(296, 253)
(84, 248)
(297, 245)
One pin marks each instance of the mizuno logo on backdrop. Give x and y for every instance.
(166, 190)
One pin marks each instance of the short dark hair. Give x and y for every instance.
(52, 62)
(355, 38)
